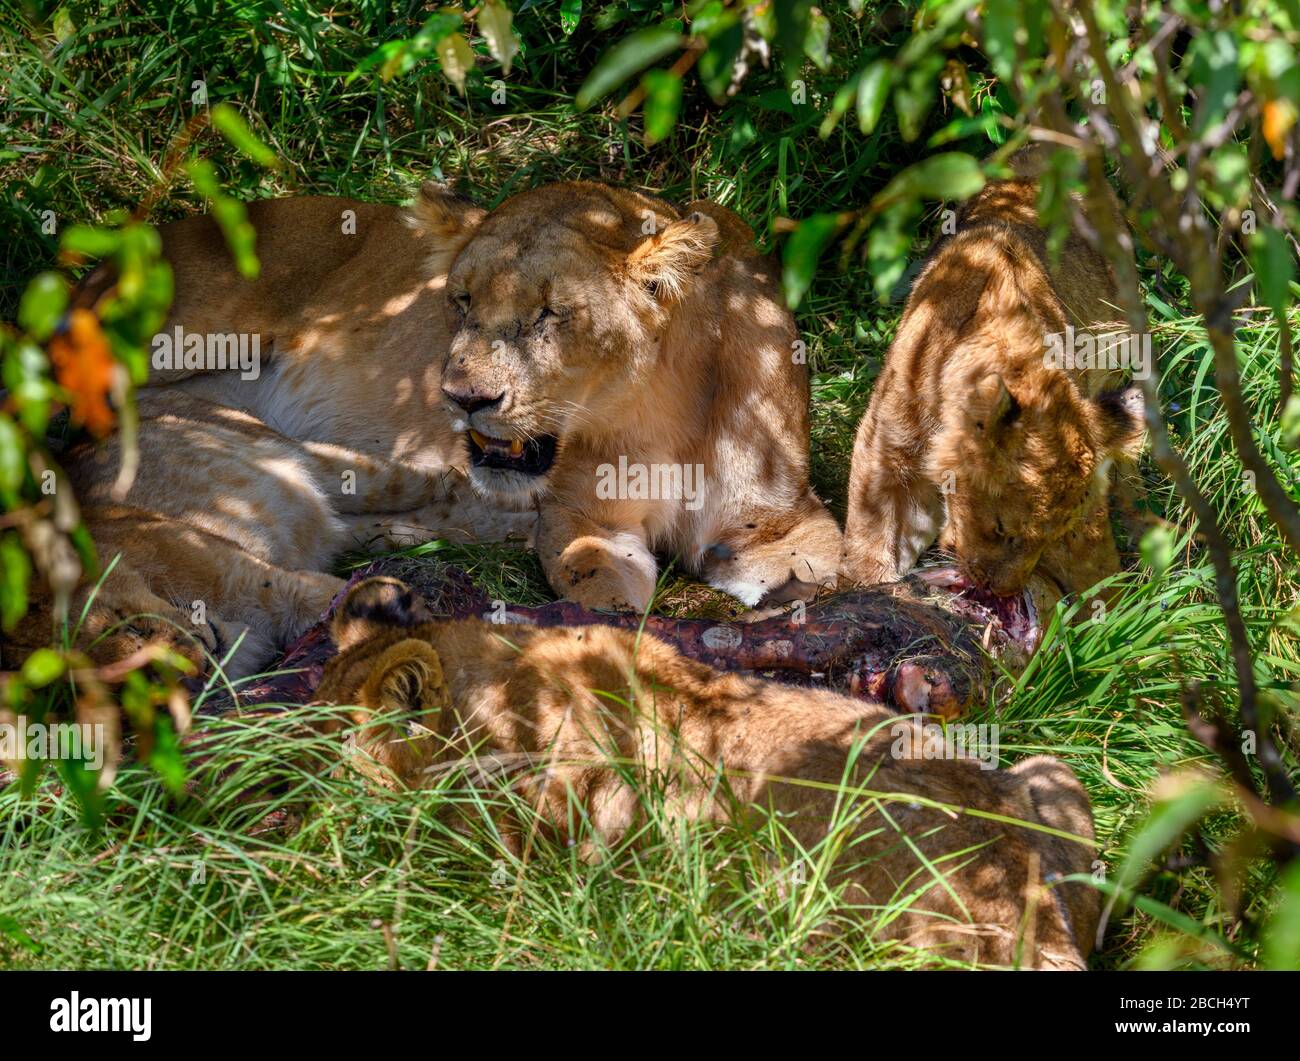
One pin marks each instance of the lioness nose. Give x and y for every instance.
(472, 400)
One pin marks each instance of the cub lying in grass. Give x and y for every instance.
(972, 436)
(584, 711)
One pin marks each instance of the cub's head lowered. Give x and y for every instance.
(556, 302)
(1026, 458)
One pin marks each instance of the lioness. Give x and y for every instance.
(977, 855)
(222, 542)
(645, 387)
(630, 368)
(973, 436)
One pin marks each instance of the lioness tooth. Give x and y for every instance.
(480, 440)
(516, 447)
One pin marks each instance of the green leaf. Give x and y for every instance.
(42, 667)
(1157, 550)
(495, 23)
(718, 63)
(960, 128)
(89, 241)
(1169, 819)
(817, 39)
(1000, 22)
(14, 931)
(791, 32)
(1274, 264)
(570, 15)
(230, 215)
(166, 758)
(43, 304)
(801, 252)
(663, 100)
(840, 102)
(456, 59)
(873, 90)
(437, 26)
(63, 25)
(1281, 938)
(1290, 426)
(277, 65)
(711, 18)
(1214, 74)
(950, 175)
(395, 58)
(915, 96)
(228, 122)
(12, 460)
(383, 56)
(888, 244)
(1059, 180)
(628, 57)
(15, 570)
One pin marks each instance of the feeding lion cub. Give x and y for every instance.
(565, 704)
(443, 372)
(972, 436)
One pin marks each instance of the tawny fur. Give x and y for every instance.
(971, 437)
(563, 705)
(221, 541)
(675, 349)
(630, 330)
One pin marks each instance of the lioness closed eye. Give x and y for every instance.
(973, 436)
(585, 712)
(633, 368)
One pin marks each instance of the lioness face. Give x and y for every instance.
(555, 305)
(1023, 470)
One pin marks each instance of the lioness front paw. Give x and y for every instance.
(608, 574)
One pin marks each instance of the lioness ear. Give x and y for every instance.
(994, 408)
(447, 218)
(407, 677)
(666, 262)
(1123, 426)
(375, 605)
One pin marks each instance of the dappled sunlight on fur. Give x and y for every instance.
(971, 438)
(579, 718)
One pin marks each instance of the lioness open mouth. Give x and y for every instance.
(532, 457)
(1014, 613)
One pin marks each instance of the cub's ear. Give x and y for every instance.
(993, 407)
(667, 262)
(407, 677)
(375, 605)
(446, 218)
(1123, 422)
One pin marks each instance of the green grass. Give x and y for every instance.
(86, 130)
(294, 861)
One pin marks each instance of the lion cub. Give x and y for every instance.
(567, 705)
(973, 435)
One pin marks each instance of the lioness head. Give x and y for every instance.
(555, 304)
(1019, 463)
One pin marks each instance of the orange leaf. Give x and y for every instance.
(84, 367)
(1279, 116)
